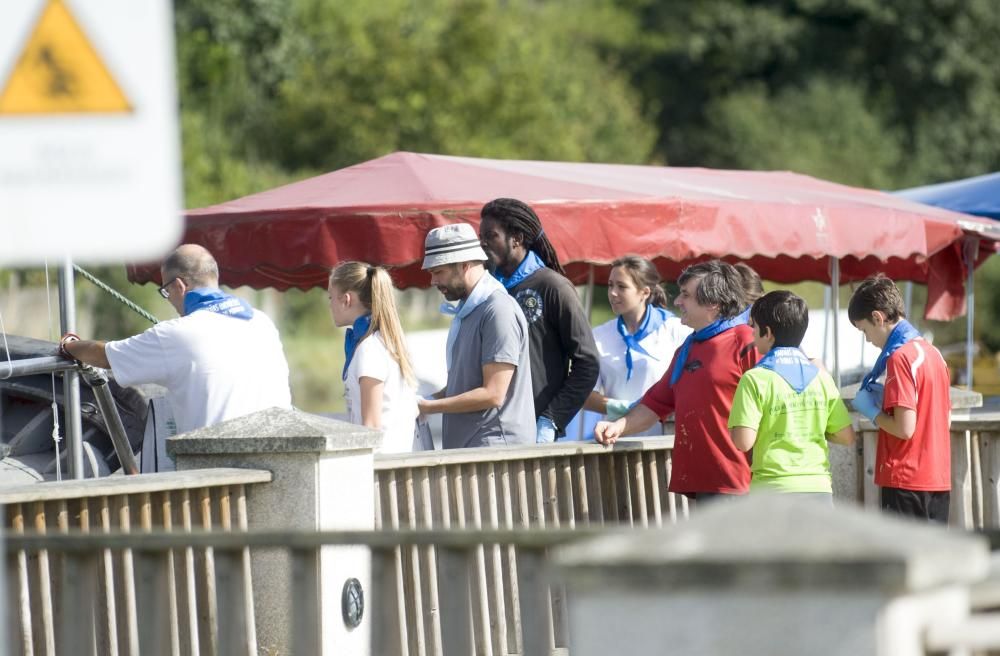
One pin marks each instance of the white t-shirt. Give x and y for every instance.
(399, 399)
(661, 344)
(213, 366)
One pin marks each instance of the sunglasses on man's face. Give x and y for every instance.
(163, 288)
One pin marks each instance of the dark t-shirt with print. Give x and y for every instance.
(564, 363)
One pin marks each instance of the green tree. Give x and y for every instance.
(824, 129)
(926, 70)
(478, 78)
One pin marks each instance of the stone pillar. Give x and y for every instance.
(769, 575)
(323, 481)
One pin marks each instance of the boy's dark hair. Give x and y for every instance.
(786, 314)
(720, 284)
(876, 293)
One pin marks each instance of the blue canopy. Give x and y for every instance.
(979, 196)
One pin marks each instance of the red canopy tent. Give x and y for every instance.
(785, 225)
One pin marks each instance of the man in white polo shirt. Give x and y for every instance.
(488, 399)
(219, 360)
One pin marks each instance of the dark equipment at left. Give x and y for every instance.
(27, 448)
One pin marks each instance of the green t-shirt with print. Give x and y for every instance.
(791, 452)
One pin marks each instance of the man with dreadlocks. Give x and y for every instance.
(564, 364)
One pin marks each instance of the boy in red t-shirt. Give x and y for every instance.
(912, 408)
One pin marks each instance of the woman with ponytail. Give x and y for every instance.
(635, 348)
(379, 384)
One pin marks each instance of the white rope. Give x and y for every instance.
(56, 438)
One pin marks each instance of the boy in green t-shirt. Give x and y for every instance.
(786, 408)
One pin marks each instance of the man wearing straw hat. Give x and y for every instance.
(488, 399)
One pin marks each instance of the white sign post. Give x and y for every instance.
(89, 141)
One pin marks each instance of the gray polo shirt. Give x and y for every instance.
(494, 332)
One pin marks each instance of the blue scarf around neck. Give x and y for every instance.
(482, 291)
(215, 300)
(655, 317)
(703, 334)
(901, 334)
(354, 335)
(791, 364)
(528, 266)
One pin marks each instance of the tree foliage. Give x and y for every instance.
(865, 92)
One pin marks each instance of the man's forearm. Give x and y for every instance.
(596, 402)
(479, 398)
(88, 351)
(640, 418)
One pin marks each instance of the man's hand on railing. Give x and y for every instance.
(608, 432)
(66, 339)
(84, 351)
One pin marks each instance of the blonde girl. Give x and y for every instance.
(379, 385)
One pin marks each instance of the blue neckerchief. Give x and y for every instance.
(354, 335)
(655, 317)
(901, 334)
(792, 365)
(708, 332)
(744, 316)
(486, 286)
(528, 266)
(215, 300)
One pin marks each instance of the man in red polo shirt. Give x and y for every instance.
(698, 387)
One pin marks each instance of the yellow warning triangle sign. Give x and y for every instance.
(60, 72)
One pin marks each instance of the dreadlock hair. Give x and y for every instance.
(374, 288)
(519, 219)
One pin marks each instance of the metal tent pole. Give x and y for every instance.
(826, 326)
(71, 378)
(970, 251)
(835, 297)
(588, 297)
(588, 306)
